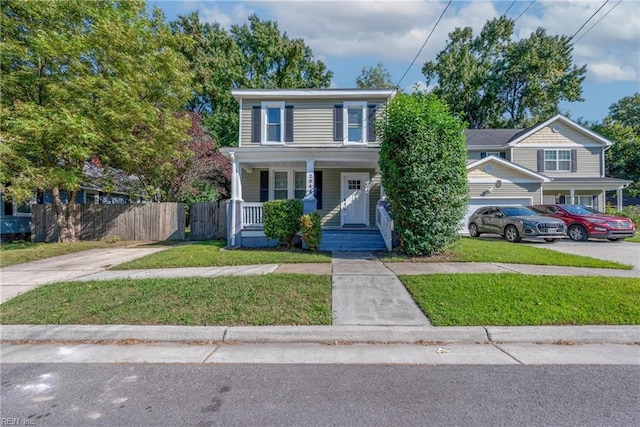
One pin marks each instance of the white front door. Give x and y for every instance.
(355, 198)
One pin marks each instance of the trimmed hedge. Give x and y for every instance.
(281, 220)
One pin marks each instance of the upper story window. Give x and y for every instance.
(353, 122)
(272, 123)
(557, 160)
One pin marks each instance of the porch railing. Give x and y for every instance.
(385, 225)
(251, 215)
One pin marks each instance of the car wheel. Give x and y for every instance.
(578, 233)
(473, 230)
(511, 234)
(551, 240)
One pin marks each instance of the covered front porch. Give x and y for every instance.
(341, 184)
(590, 192)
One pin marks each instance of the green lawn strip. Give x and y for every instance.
(635, 239)
(210, 254)
(282, 299)
(480, 250)
(20, 252)
(512, 299)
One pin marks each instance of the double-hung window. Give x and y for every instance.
(273, 119)
(289, 184)
(557, 160)
(355, 122)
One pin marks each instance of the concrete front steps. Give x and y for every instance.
(352, 240)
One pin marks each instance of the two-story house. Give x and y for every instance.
(320, 145)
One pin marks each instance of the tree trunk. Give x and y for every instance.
(65, 216)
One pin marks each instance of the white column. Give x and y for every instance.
(572, 192)
(619, 198)
(310, 186)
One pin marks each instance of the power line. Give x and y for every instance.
(524, 11)
(509, 8)
(585, 22)
(597, 22)
(423, 44)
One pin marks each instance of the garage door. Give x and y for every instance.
(480, 202)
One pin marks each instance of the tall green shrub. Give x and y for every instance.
(311, 230)
(281, 220)
(423, 167)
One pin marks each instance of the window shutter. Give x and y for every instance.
(483, 154)
(371, 123)
(288, 123)
(562, 200)
(264, 186)
(338, 123)
(256, 125)
(503, 155)
(317, 178)
(574, 160)
(540, 160)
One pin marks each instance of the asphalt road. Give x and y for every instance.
(315, 395)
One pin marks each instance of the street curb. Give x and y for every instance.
(326, 334)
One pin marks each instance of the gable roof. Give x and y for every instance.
(524, 171)
(558, 118)
(482, 138)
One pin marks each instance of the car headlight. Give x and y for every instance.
(529, 224)
(596, 220)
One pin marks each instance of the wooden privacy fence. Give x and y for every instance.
(208, 220)
(147, 222)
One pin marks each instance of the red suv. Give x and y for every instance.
(583, 222)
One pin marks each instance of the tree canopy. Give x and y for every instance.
(377, 77)
(490, 80)
(81, 80)
(256, 55)
(622, 126)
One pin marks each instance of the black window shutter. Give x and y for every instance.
(562, 200)
(371, 123)
(256, 125)
(483, 154)
(503, 155)
(540, 160)
(317, 178)
(574, 160)
(338, 131)
(264, 186)
(288, 123)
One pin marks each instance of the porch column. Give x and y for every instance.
(235, 206)
(619, 198)
(309, 201)
(572, 193)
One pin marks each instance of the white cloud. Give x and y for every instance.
(608, 71)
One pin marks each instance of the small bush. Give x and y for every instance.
(281, 219)
(311, 228)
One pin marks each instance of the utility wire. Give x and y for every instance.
(524, 11)
(509, 8)
(585, 22)
(423, 44)
(597, 22)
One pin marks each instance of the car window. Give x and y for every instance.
(579, 210)
(518, 211)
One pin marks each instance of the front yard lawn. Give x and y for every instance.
(19, 252)
(493, 250)
(517, 300)
(211, 254)
(635, 239)
(278, 299)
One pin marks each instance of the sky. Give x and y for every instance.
(348, 35)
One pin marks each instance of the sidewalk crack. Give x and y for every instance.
(507, 353)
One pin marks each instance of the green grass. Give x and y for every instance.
(494, 250)
(209, 254)
(515, 299)
(19, 252)
(635, 239)
(287, 299)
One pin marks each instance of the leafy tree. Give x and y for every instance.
(623, 127)
(81, 80)
(377, 77)
(423, 167)
(491, 80)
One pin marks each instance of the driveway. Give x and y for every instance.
(20, 278)
(624, 252)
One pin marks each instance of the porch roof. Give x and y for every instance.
(587, 183)
(297, 157)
